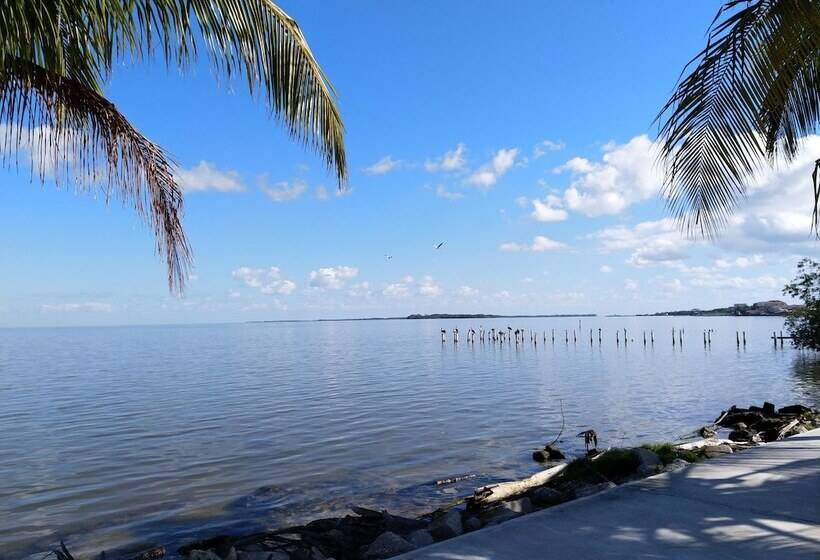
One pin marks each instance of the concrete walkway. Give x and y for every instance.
(762, 503)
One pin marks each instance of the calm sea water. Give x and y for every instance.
(113, 436)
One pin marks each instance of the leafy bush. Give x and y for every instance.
(803, 324)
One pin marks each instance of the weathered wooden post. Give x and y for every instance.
(644, 338)
(680, 337)
(617, 340)
(774, 338)
(599, 337)
(744, 339)
(652, 336)
(553, 336)
(781, 340)
(673, 337)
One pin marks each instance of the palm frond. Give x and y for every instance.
(751, 95)
(255, 39)
(76, 136)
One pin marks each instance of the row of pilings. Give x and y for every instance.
(520, 337)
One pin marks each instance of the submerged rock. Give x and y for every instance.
(446, 526)
(521, 505)
(548, 453)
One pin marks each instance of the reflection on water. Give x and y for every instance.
(116, 435)
(806, 370)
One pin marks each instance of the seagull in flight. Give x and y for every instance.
(439, 246)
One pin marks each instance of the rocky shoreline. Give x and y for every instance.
(368, 534)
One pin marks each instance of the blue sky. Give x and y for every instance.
(520, 134)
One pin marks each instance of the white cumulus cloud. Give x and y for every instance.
(541, 149)
(625, 175)
(206, 177)
(489, 173)
(548, 210)
(384, 165)
(451, 161)
(265, 280)
(332, 277)
(539, 244)
(282, 191)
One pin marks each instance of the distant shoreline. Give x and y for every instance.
(417, 316)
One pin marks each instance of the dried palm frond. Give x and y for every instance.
(752, 94)
(76, 136)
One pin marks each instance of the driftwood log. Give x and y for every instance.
(494, 493)
(698, 444)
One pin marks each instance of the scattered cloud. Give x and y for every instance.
(453, 160)
(489, 173)
(631, 285)
(625, 175)
(651, 242)
(332, 277)
(467, 292)
(428, 288)
(206, 177)
(396, 290)
(548, 210)
(605, 269)
(539, 244)
(84, 307)
(740, 262)
(265, 280)
(384, 165)
(283, 191)
(541, 149)
(442, 192)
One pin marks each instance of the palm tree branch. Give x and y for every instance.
(72, 134)
(743, 99)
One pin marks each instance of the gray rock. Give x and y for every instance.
(387, 544)
(420, 538)
(447, 526)
(676, 465)
(472, 524)
(254, 555)
(203, 555)
(521, 505)
(744, 435)
(545, 497)
(593, 489)
(645, 470)
(712, 451)
(647, 458)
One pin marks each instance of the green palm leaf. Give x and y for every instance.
(75, 44)
(752, 94)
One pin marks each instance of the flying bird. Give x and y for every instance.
(388, 257)
(439, 246)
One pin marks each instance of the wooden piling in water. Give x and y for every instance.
(744, 339)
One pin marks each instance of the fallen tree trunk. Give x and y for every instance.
(493, 493)
(692, 445)
(785, 429)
